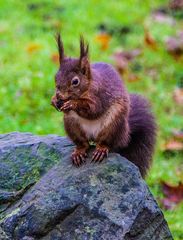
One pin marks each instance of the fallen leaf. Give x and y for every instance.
(163, 18)
(173, 194)
(103, 39)
(55, 58)
(130, 55)
(132, 78)
(178, 95)
(33, 47)
(172, 145)
(120, 62)
(174, 45)
(176, 4)
(123, 58)
(149, 40)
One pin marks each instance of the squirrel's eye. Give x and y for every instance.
(75, 81)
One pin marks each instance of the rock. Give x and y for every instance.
(24, 158)
(96, 201)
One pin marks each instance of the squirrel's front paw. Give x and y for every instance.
(68, 106)
(57, 103)
(78, 157)
(100, 153)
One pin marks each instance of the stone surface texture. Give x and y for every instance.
(42, 196)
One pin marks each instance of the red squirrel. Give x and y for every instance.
(97, 108)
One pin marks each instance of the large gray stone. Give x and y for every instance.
(96, 201)
(24, 157)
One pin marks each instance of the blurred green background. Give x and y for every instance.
(28, 63)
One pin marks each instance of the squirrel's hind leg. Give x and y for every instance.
(110, 137)
(79, 155)
(100, 153)
(77, 135)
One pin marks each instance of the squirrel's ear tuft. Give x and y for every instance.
(84, 48)
(60, 47)
(84, 56)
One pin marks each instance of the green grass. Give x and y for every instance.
(27, 79)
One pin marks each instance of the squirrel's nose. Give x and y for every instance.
(61, 96)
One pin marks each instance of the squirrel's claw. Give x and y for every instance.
(69, 105)
(78, 158)
(99, 154)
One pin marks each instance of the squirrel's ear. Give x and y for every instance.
(84, 57)
(60, 47)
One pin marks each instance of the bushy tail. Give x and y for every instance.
(142, 134)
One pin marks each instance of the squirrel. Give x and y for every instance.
(98, 108)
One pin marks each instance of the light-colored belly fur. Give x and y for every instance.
(92, 128)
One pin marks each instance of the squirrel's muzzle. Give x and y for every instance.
(63, 97)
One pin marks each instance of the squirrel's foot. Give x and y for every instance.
(100, 153)
(79, 157)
